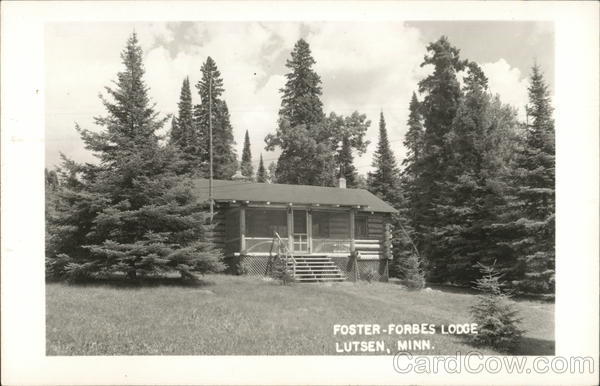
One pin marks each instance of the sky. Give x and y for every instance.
(364, 66)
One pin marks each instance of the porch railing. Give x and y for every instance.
(282, 250)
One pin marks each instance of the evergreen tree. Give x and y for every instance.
(495, 314)
(479, 145)
(413, 140)
(247, 168)
(301, 100)
(261, 173)
(533, 206)
(384, 180)
(210, 88)
(310, 143)
(131, 213)
(407, 232)
(442, 94)
(306, 150)
(411, 271)
(184, 134)
(461, 238)
(184, 123)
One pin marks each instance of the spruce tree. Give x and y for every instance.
(534, 195)
(131, 213)
(413, 140)
(479, 149)
(311, 143)
(442, 94)
(307, 155)
(407, 231)
(184, 134)
(462, 239)
(261, 173)
(384, 180)
(184, 122)
(411, 272)
(210, 88)
(301, 100)
(495, 314)
(246, 166)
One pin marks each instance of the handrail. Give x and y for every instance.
(287, 254)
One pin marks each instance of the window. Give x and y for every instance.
(300, 221)
(330, 225)
(262, 223)
(361, 230)
(320, 225)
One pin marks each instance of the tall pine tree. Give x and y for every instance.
(261, 173)
(185, 136)
(384, 180)
(462, 238)
(413, 140)
(442, 94)
(408, 261)
(210, 88)
(246, 166)
(131, 213)
(534, 196)
(306, 156)
(311, 143)
(301, 100)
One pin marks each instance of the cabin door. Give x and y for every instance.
(300, 231)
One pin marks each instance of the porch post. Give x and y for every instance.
(242, 229)
(290, 225)
(352, 231)
(309, 230)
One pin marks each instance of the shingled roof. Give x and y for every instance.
(296, 194)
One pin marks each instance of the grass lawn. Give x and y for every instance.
(251, 316)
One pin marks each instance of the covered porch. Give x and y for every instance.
(306, 231)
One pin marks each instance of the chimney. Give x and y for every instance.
(342, 182)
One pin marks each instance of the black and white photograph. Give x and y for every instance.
(302, 187)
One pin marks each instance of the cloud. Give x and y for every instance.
(372, 68)
(509, 83)
(364, 66)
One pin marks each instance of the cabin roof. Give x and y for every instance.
(255, 192)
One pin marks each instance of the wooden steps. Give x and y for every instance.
(316, 269)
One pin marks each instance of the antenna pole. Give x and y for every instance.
(210, 149)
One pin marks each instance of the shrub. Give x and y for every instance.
(286, 277)
(370, 274)
(56, 266)
(280, 271)
(410, 269)
(241, 268)
(494, 312)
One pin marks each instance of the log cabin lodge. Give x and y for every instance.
(330, 233)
